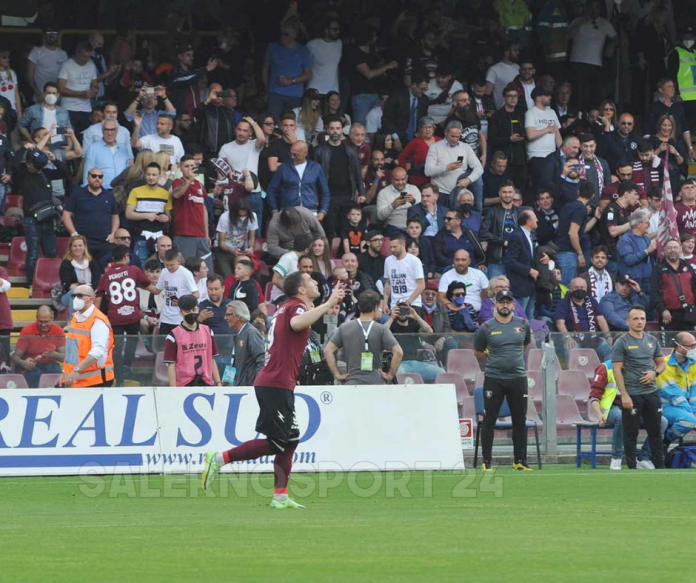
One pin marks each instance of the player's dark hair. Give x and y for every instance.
(119, 252)
(368, 302)
(292, 283)
(171, 255)
(152, 265)
(213, 277)
(626, 186)
(302, 242)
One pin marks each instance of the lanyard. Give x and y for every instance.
(366, 334)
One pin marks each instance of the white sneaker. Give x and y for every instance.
(645, 465)
(615, 464)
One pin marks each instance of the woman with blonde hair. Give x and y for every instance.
(320, 252)
(666, 140)
(608, 119)
(131, 178)
(77, 268)
(308, 117)
(495, 285)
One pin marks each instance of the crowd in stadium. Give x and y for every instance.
(437, 152)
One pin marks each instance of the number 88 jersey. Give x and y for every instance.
(119, 285)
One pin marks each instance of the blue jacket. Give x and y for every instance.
(286, 189)
(33, 118)
(677, 385)
(518, 262)
(632, 257)
(615, 308)
(418, 211)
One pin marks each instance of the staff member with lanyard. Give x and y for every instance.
(638, 361)
(363, 341)
(501, 342)
(249, 349)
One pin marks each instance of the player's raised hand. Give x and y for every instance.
(337, 295)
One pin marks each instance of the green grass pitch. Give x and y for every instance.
(558, 524)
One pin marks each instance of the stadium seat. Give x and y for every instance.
(160, 378)
(268, 290)
(260, 247)
(20, 293)
(453, 378)
(535, 384)
(532, 413)
(534, 360)
(18, 257)
(480, 377)
(143, 357)
(46, 277)
(386, 249)
(157, 340)
(23, 317)
(49, 380)
(13, 381)
(337, 262)
(652, 326)
(575, 384)
(504, 425)
(335, 244)
(567, 412)
(468, 410)
(409, 378)
(464, 362)
(62, 244)
(666, 351)
(584, 359)
(270, 308)
(14, 201)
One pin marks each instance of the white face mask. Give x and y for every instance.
(78, 303)
(51, 99)
(688, 44)
(691, 354)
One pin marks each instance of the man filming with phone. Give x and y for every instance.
(394, 201)
(215, 121)
(147, 106)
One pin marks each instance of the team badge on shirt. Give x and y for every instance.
(518, 330)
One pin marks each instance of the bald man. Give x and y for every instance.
(40, 348)
(394, 201)
(360, 281)
(677, 393)
(89, 359)
(301, 183)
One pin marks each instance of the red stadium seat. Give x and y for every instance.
(143, 357)
(270, 308)
(463, 361)
(62, 246)
(584, 359)
(337, 262)
(567, 413)
(268, 290)
(534, 360)
(160, 378)
(575, 384)
(652, 326)
(386, 249)
(535, 386)
(335, 244)
(14, 201)
(13, 381)
(480, 377)
(468, 410)
(8, 222)
(18, 257)
(532, 414)
(260, 247)
(409, 378)
(46, 276)
(49, 380)
(453, 378)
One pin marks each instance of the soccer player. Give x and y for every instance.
(189, 350)
(638, 361)
(274, 386)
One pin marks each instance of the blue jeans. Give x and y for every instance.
(278, 104)
(256, 202)
(495, 269)
(34, 375)
(568, 262)
(614, 419)
(3, 196)
(66, 300)
(424, 369)
(362, 104)
(38, 234)
(528, 305)
(141, 250)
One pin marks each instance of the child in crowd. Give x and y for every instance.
(353, 232)
(688, 242)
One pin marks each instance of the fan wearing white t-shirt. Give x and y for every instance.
(502, 73)
(174, 281)
(404, 276)
(163, 141)
(542, 126)
(243, 153)
(473, 279)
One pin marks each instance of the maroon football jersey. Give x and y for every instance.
(119, 285)
(285, 348)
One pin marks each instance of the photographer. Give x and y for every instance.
(215, 121)
(362, 342)
(146, 107)
(419, 357)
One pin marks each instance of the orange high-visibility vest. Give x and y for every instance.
(78, 345)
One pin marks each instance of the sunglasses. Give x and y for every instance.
(96, 176)
(450, 218)
(459, 295)
(80, 296)
(123, 238)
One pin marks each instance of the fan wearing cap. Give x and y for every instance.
(501, 343)
(189, 350)
(616, 305)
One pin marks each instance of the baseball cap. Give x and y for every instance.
(37, 158)
(431, 285)
(504, 295)
(624, 278)
(372, 234)
(188, 302)
(539, 91)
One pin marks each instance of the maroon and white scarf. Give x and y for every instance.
(592, 276)
(598, 167)
(591, 319)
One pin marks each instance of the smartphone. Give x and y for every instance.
(460, 159)
(403, 194)
(61, 131)
(149, 90)
(225, 93)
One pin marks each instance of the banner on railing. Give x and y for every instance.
(168, 430)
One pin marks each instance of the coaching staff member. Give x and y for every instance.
(638, 361)
(249, 346)
(506, 337)
(363, 341)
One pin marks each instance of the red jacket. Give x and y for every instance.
(599, 383)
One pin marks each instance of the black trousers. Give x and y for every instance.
(649, 409)
(131, 343)
(494, 392)
(336, 218)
